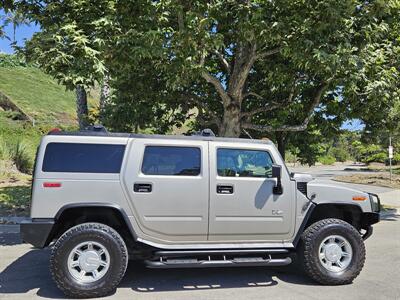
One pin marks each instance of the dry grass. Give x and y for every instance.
(379, 179)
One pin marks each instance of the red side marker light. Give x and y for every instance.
(52, 184)
(54, 130)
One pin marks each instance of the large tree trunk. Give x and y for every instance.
(104, 97)
(281, 140)
(81, 107)
(230, 125)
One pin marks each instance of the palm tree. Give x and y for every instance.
(16, 19)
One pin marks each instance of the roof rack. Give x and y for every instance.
(96, 128)
(205, 132)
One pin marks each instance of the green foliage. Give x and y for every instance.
(395, 160)
(340, 154)
(327, 160)
(291, 156)
(14, 200)
(18, 142)
(258, 65)
(21, 157)
(369, 153)
(7, 60)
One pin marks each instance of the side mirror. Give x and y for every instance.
(276, 173)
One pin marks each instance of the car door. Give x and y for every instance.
(167, 183)
(242, 203)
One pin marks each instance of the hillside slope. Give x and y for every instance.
(38, 95)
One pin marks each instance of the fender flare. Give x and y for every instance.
(309, 213)
(99, 205)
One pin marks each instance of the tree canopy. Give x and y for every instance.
(267, 67)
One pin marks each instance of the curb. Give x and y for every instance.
(12, 220)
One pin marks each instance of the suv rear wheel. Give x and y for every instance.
(88, 260)
(332, 252)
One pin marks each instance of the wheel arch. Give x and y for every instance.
(106, 213)
(348, 212)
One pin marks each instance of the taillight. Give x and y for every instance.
(52, 184)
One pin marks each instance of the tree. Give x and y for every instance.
(72, 45)
(257, 65)
(16, 19)
(262, 66)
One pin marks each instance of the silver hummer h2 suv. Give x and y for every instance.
(100, 199)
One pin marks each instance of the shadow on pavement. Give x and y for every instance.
(142, 279)
(389, 214)
(28, 272)
(31, 271)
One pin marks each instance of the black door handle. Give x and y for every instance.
(224, 189)
(142, 187)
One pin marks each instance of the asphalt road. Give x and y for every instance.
(25, 273)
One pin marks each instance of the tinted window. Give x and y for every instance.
(166, 160)
(83, 158)
(243, 163)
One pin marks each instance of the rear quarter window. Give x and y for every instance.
(83, 158)
(170, 160)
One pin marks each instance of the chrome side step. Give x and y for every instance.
(234, 262)
(226, 252)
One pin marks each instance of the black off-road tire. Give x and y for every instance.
(309, 248)
(96, 232)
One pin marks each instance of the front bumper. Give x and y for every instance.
(36, 231)
(370, 218)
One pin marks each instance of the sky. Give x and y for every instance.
(25, 32)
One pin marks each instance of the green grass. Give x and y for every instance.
(37, 94)
(14, 200)
(40, 96)
(12, 132)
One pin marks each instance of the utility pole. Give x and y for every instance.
(390, 156)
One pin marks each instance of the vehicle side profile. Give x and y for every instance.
(100, 199)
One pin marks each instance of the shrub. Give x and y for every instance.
(376, 157)
(21, 157)
(5, 158)
(327, 160)
(12, 60)
(290, 157)
(395, 160)
(340, 154)
(4, 151)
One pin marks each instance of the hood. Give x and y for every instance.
(320, 192)
(302, 177)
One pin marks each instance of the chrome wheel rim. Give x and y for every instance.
(335, 253)
(88, 262)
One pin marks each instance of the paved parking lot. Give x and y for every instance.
(25, 275)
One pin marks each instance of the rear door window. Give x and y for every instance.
(83, 158)
(170, 160)
(243, 163)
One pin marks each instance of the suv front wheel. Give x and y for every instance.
(88, 260)
(332, 252)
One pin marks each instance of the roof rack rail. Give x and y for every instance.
(96, 128)
(205, 132)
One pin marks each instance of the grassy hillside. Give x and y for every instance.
(38, 95)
